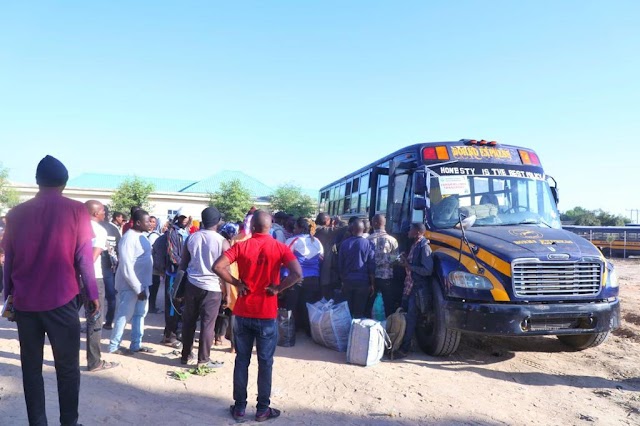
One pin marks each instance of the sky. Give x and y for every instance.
(306, 92)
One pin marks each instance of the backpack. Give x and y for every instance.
(396, 327)
(159, 255)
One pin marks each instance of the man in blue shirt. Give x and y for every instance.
(356, 266)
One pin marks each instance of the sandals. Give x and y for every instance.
(211, 364)
(145, 350)
(269, 413)
(236, 413)
(104, 365)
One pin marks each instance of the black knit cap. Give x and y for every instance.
(210, 217)
(51, 172)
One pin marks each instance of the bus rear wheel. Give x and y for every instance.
(433, 336)
(584, 341)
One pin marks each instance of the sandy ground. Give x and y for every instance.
(490, 381)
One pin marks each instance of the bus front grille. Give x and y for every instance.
(534, 278)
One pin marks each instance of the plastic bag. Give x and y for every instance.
(286, 328)
(377, 311)
(367, 342)
(330, 324)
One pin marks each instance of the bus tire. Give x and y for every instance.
(433, 336)
(584, 341)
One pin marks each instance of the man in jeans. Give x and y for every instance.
(133, 279)
(47, 242)
(419, 266)
(259, 260)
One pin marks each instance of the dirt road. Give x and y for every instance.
(491, 381)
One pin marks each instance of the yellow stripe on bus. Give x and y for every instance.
(488, 258)
(499, 293)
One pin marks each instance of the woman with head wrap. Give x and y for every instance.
(224, 322)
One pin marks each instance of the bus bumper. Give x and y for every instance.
(533, 319)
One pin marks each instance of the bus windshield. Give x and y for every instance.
(493, 200)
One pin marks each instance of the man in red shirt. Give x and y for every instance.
(259, 260)
(47, 244)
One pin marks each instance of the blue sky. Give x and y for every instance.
(306, 92)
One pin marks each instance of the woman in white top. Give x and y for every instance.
(309, 252)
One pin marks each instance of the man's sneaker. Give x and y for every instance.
(122, 351)
(104, 365)
(172, 342)
(107, 326)
(190, 360)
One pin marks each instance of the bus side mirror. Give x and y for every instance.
(420, 186)
(555, 193)
(419, 203)
(554, 188)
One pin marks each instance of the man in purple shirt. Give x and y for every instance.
(47, 243)
(356, 266)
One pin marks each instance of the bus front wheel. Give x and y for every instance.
(433, 336)
(584, 341)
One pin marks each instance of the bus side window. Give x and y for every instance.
(382, 200)
(383, 191)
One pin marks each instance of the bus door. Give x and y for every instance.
(402, 177)
(379, 189)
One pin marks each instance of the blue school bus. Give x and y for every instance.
(503, 264)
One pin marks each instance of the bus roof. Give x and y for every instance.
(412, 148)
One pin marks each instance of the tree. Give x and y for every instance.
(608, 219)
(587, 219)
(131, 193)
(610, 239)
(8, 196)
(573, 214)
(232, 199)
(290, 199)
(584, 217)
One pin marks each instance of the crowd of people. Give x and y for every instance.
(230, 278)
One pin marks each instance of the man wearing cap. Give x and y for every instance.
(47, 244)
(203, 289)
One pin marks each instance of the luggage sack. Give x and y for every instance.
(330, 324)
(367, 342)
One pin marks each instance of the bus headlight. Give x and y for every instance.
(467, 280)
(612, 276)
